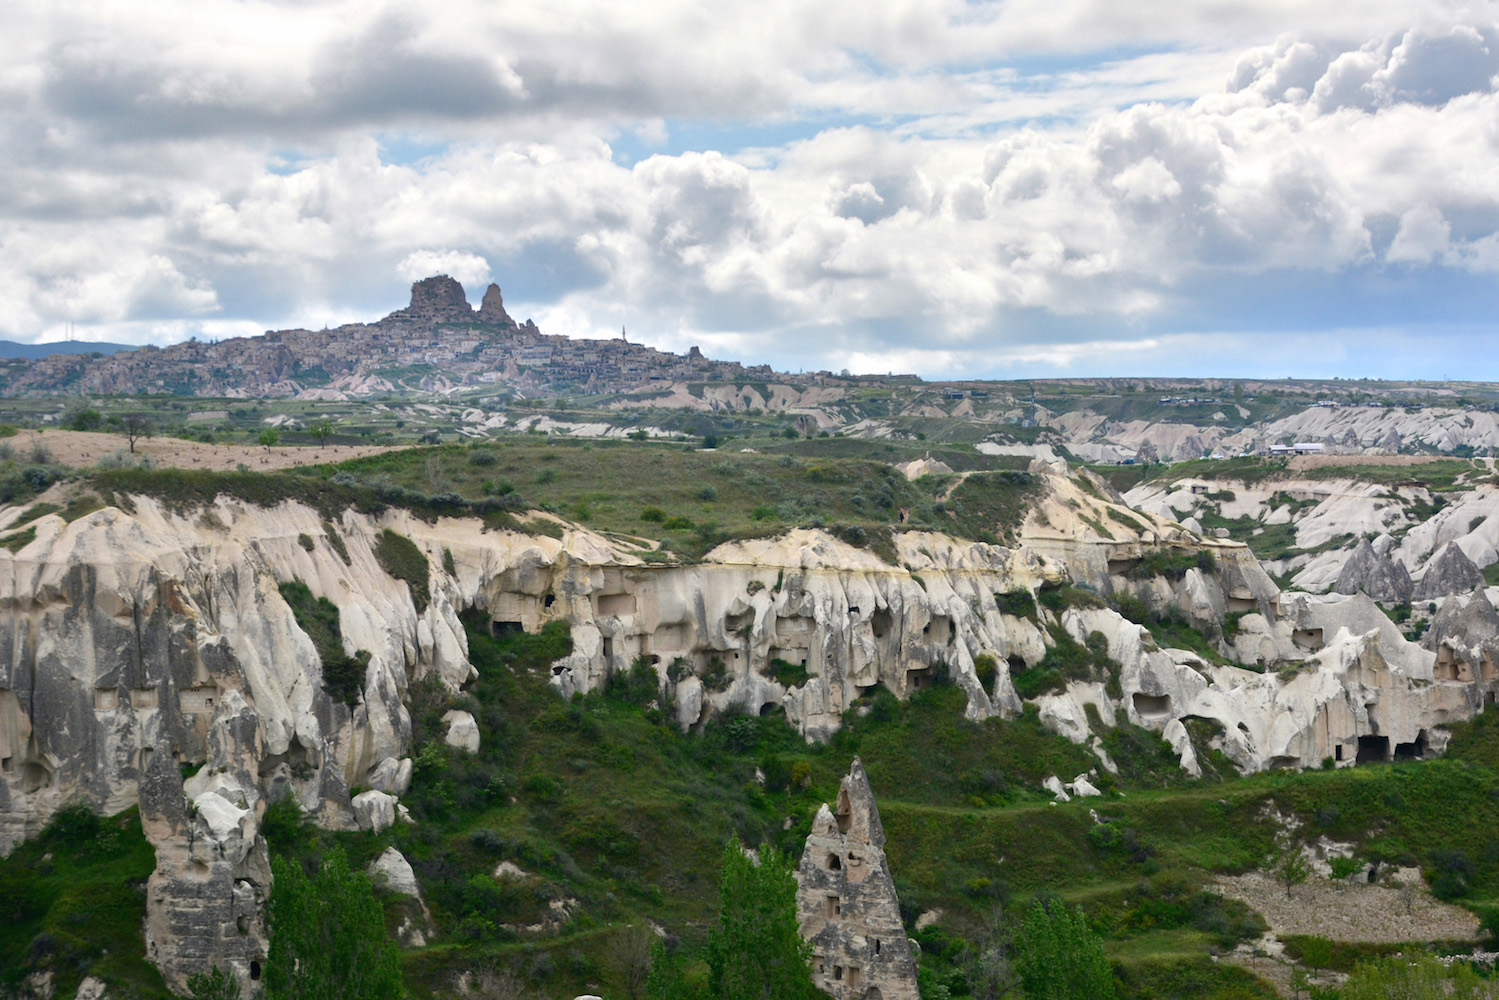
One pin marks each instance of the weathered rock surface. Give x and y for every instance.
(1464, 635)
(463, 731)
(1381, 577)
(393, 871)
(846, 903)
(1449, 572)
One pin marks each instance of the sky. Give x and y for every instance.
(1007, 189)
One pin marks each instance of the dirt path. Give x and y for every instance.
(82, 448)
(1345, 911)
(1302, 462)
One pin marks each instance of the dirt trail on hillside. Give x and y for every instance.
(1345, 911)
(83, 449)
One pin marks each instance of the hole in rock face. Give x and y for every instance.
(834, 862)
(500, 629)
(1152, 705)
(881, 622)
(35, 776)
(616, 605)
(844, 815)
(1337, 752)
(255, 971)
(548, 600)
(1372, 749)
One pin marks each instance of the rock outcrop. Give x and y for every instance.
(438, 299)
(846, 903)
(492, 309)
(1450, 571)
(1381, 577)
(1464, 635)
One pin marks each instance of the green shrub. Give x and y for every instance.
(788, 675)
(985, 667)
(1019, 603)
(343, 675)
(400, 557)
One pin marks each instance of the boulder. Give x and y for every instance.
(374, 811)
(391, 775)
(1053, 784)
(1382, 578)
(393, 871)
(1083, 788)
(463, 731)
(1450, 571)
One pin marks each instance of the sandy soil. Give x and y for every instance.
(1345, 911)
(81, 448)
(1299, 463)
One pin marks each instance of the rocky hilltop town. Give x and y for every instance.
(457, 344)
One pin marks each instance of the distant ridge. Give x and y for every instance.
(13, 349)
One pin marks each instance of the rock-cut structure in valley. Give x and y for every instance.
(846, 902)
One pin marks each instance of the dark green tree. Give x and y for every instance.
(666, 980)
(757, 951)
(328, 938)
(1058, 957)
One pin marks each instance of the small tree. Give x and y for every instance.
(757, 951)
(134, 426)
(322, 430)
(1058, 957)
(270, 437)
(1292, 868)
(328, 938)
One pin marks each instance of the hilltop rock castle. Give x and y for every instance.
(438, 341)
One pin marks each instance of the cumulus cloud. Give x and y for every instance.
(471, 270)
(925, 196)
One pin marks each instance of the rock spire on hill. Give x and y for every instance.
(1450, 571)
(1382, 578)
(492, 309)
(846, 902)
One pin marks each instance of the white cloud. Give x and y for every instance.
(221, 162)
(1424, 235)
(471, 270)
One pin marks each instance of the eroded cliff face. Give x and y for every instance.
(148, 644)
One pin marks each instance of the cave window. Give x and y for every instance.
(1337, 752)
(844, 815)
(255, 971)
(548, 600)
(876, 946)
(4, 763)
(838, 973)
(834, 862)
(831, 907)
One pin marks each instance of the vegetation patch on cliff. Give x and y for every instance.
(343, 675)
(401, 558)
